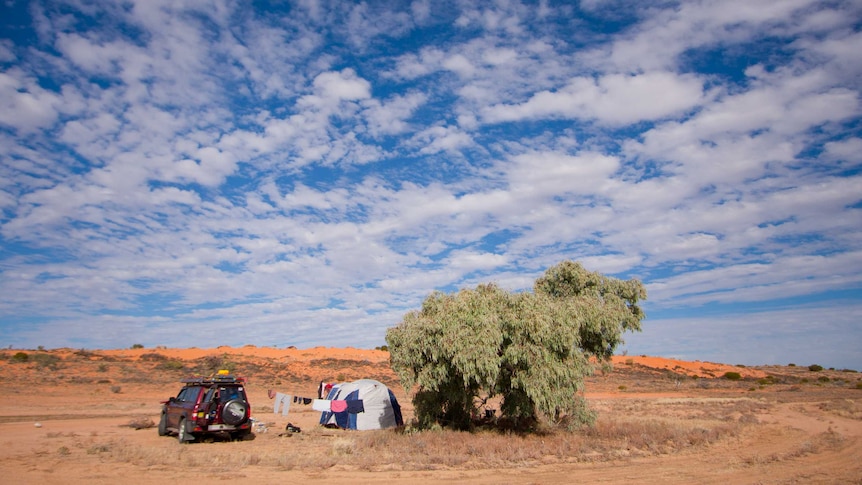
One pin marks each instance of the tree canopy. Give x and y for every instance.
(530, 349)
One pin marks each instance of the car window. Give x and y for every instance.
(228, 393)
(189, 394)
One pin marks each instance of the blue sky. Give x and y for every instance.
(304, 173)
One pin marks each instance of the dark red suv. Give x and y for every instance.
(208, 406)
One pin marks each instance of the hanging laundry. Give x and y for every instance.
(338, 405)
(286, 407)
(355, 406)
(322, 405)
(281, 401)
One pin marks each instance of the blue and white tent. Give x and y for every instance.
(378, 410)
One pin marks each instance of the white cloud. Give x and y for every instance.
(391, 116)
(332, 164)
(614, 99)
(555, 174)
(343, 85)
(23, 104)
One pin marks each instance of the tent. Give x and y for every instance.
(379, 408)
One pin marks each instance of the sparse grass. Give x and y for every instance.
(625, 428)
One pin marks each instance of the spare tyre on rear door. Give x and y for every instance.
(235, 412)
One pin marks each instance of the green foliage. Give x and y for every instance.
(815, 368)
(532, 349)
(171, 365)
(384, 348)
(732, 376)
(137, 346)
(46, 361)
(20, 357)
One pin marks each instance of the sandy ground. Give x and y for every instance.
(66, 420)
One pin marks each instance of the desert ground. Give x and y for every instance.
(79, 416)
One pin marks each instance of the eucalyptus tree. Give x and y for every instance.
(533, 350)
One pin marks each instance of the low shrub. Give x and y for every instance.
(153, 357)
(732, 376)
(815, 368)
(172, 365)
(46, 361)
(20, 357)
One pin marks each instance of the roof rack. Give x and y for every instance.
(221, 378)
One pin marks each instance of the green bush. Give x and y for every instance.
(823, 379)
(732, 376)
(137, 346)
(46, 361)
(20, 357)
(171, 365)
(815, 368)
(153, 357)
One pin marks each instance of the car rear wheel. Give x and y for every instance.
(183, 434)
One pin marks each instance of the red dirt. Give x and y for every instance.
(804, 427)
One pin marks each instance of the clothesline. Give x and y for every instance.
(283, 401)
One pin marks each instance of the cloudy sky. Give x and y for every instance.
(205, 173)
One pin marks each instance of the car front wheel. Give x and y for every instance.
(163, 425)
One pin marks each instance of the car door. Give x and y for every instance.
(182, 405)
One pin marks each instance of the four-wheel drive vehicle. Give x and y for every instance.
(208, 406)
